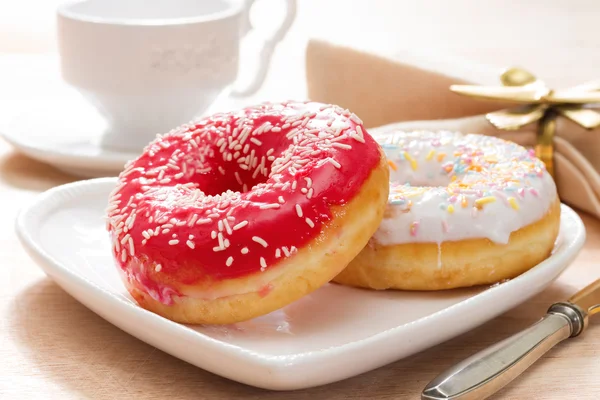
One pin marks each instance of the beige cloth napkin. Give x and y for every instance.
(410, 94)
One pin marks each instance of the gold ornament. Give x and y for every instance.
(537, 103)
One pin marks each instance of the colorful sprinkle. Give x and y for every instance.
(413, 163)
(414, 228)
(484, 200)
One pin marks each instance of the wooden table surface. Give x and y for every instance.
(52, 347)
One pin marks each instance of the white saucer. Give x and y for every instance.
(335, 333)
(65, 133)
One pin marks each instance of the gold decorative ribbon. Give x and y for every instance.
(537, 103)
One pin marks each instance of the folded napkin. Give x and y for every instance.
(412, 93)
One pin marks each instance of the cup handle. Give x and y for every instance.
(267, 46)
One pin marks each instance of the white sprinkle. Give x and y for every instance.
(229, 261)
(245, 250)
(124, 255)
(294, 184)
(256, 141)
(217, 248)
(281, 200)
(190, 244)
(357, 137)
(299, 210)
(276, 129)
(158, 267)
(179, 175)
(131, 249)
(125, 238)
(213, 235)
(227, 227)
(304, 190)
(193, 220)
(226, 242)
(309, 194)
(342, 146)
(260, 241)
(220, 225)
(267, 206)
(335, 163)
(203, 221)
(237, 177)
(221, 170)
(263, 264)
(359, 131)
(308, 182)
(173, 242)
(221, 241)
(293, 249)
(146, 234)
(355, 119)
(277, 253)
(240, 225)
(286, 251)
(310, 223)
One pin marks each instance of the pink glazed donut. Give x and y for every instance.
(236, 215)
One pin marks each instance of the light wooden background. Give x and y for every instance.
(51, 347)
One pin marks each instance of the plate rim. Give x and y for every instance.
(43, 205)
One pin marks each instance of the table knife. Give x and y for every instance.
(486, 372)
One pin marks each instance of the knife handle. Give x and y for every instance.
(486, 372)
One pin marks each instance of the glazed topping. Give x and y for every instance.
(236, 193)
(447, 186)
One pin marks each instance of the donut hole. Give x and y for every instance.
(257, 159)
(423, 177)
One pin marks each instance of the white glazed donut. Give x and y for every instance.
(463, 210)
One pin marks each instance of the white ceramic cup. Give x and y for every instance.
(151, 65)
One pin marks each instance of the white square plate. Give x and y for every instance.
(335, 333)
